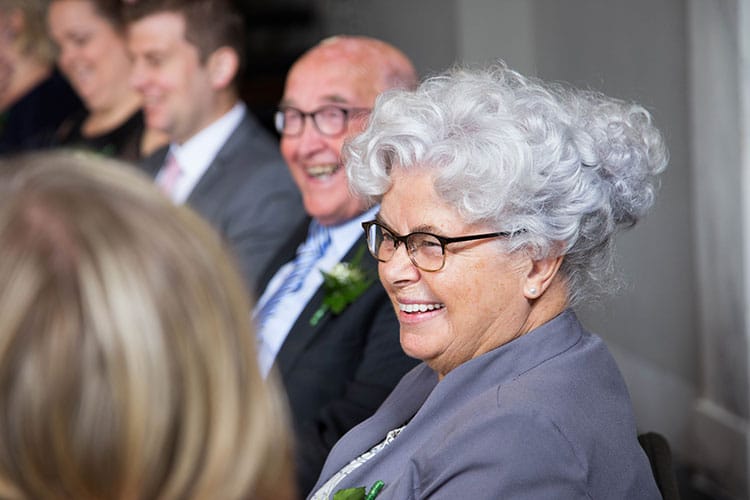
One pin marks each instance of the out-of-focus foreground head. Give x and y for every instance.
(127, 359)
(347, 72)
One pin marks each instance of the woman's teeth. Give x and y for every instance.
(412, 308)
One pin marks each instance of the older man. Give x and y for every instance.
(334, 343)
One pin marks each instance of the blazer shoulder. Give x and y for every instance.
(251, 143)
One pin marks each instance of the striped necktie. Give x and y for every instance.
(315, 246)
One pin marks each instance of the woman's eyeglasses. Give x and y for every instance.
(426, 250)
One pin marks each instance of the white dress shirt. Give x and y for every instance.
(197, 153)
(278, 324)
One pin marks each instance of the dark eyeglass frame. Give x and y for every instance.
(444, 240)
(279, 120)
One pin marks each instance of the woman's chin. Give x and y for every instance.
(418, 345)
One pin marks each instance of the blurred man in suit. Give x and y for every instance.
(338, 361)
(187, 56)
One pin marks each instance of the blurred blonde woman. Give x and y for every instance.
(34, 97)
(127, 360)
(90, 36)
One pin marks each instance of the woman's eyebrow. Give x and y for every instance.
(422, 228)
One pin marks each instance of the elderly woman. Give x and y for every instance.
(500, 196)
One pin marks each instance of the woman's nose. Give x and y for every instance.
(399, 270)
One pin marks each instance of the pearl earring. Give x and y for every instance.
(532, 291)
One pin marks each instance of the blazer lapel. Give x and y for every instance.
(202, 197)
(303, 332)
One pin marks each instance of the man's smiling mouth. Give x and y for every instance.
(321, 171)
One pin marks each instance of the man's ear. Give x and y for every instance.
(540, 276)
(223, 64)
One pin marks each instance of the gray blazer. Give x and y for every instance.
(546, 416)
(247, 194)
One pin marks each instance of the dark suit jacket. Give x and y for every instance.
(247, 194)
(338, 372)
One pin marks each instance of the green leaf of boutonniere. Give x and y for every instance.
(359, 493)
(350, 494)
(343, 285)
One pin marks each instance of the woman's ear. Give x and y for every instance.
(540, 276)
(223, 65)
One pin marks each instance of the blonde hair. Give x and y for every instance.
(33, 39)
(127, 359)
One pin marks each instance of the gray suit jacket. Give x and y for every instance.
(247, 194)
(546, 416)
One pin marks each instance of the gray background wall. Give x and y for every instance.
(679, 328)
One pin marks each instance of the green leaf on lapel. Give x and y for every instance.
(350, 494)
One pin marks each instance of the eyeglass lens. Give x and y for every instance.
(424, 249)
(328, 120)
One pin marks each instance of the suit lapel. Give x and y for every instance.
(303, 332)
(202, 197)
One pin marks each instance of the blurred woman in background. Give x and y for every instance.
(34, 97)
(93, 56)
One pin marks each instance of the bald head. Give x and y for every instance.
(376, 61)
(338, 81)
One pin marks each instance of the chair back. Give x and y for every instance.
(659, 455)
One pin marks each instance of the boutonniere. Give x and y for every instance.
(342, 286)
(359, 493)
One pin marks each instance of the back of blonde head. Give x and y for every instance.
(127, 361)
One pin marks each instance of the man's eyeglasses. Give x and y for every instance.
(426, 250)
(329, 120)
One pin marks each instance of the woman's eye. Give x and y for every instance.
(428, 243)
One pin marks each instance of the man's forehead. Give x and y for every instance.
(343, 76)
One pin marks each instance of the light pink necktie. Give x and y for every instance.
(170, 174)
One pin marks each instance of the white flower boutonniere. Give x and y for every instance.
(343, 285)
